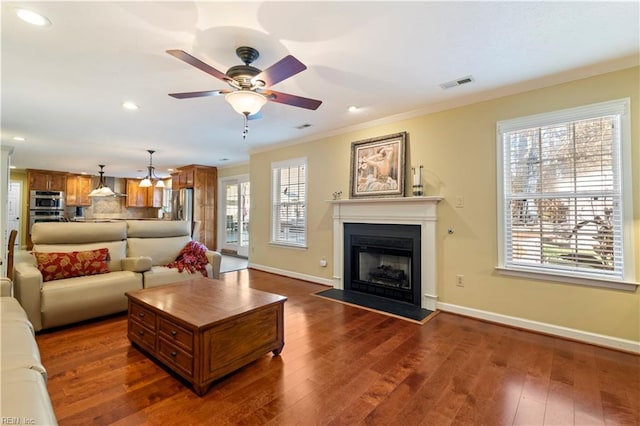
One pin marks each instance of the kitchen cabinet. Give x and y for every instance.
(204, 181)
(143, 197)
(44, 180)
(184, 178)
(78, 189)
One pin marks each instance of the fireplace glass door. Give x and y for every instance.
(381, 261)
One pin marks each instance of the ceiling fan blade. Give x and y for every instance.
(191, 60)
(255, 116)
(281, 70)
(201, 94)
(297, 101)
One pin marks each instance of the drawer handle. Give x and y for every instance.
(141, 314)
(173, 332)
(174, 353)
(141, 332)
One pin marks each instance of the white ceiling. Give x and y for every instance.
(63, 85)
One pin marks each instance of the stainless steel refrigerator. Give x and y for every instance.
(182, 205)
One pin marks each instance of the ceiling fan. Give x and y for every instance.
(250, 85)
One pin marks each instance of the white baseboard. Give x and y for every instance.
(569, 333)
(540, 327)
(304, 277)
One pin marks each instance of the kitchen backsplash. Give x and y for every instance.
(112, 208)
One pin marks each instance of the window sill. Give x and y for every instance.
(287, 245)
(591, 282)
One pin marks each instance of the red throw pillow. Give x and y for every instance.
(55, 266)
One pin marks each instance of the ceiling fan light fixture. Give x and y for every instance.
(246, 102)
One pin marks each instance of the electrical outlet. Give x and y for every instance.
(460, 280)
(459, 201)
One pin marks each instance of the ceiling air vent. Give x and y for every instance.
(457, 82)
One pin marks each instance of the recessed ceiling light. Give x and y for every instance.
(32, 17)
(169, 170)
(19, 138)
(303, 126)
(12, 167)
(353, 108)
(129, 105)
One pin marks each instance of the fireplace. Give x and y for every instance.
(383, 260)
(408, 213)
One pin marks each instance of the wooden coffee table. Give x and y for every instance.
(205, 329)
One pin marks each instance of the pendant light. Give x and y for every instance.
(102, 190)
(151, 176)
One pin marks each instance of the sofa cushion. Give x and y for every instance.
(11, 311)
(55, 266)
(157, 228)
(117, 250)
(19, 348)
(76, 299)
(77, 233)
(136, 264)
(27, 400)
(161, 250)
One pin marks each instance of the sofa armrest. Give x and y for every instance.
(27, 284)
(136, 264)
(21, 256)
(215, 259)
(6, 287)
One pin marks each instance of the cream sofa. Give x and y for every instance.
(23, 379)
(138, 250)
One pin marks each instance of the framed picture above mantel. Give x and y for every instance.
(378, 167)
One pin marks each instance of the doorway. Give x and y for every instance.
(14, 207)
(234, 222)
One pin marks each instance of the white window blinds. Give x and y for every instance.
(562, 197)
(289, 200)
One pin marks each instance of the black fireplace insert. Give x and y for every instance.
(383, 260)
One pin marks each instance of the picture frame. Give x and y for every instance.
(378, 166)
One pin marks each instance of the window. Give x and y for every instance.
(564, 194)
(288, 202)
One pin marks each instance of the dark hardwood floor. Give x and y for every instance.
(343, 365)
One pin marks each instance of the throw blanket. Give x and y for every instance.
(192, 257)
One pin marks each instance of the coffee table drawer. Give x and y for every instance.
(176, 334)
(142, 335)
(175, 357)
(142, 315)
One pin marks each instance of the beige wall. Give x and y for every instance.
(224, 172)
(458, 150)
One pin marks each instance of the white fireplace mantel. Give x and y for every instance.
(401, 210)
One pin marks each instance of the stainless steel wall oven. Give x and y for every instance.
(46, 206)
(46, 200)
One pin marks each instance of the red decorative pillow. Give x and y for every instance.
(55, 266)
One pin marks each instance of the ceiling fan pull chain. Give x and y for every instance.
(246, 125)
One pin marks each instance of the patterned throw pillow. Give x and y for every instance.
(55, 266)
